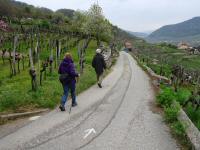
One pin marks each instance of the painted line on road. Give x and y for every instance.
(34, 118)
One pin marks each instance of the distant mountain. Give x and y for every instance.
(139, 34)
(188, 31)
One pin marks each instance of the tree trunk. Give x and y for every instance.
(51, 59)
(11, 66)
(81, 52)
(23, 62)
(14, 51)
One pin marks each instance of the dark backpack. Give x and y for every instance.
(65, 78)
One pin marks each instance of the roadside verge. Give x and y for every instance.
(193, 134)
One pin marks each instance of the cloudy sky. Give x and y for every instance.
(133, 15)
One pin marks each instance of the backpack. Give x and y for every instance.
(65, 78)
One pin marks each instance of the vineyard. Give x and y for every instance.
(32, 47)
(183, 70)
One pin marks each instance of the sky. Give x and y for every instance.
(133, 15)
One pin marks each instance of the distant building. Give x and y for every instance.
(183, 46)
(194, 51)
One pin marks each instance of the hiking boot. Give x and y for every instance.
(62, 108)
(74, 104)
(99, 85)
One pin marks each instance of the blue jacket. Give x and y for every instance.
(67, 67)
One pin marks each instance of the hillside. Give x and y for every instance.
(188, 31)
(21, 16)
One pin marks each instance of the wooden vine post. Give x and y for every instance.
(59, 51)
(44, 68)
(3, 55)
(10, 62)
(51, 58)
(18, 58)
(37, 49)
(32, 70)
(23, 65)
(81, 53)
(14, 54)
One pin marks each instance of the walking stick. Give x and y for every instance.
(70, 109)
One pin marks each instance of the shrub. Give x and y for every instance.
(182, 95)
(194, 115)
(166, 97)
(178, 128)
(171, 112)
(198, 124)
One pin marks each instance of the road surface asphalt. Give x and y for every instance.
(119, 115)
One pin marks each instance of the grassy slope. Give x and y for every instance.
(16, 94)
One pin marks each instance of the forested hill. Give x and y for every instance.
(66, 12)
(19, 13)
(185, 31)
(19, 9)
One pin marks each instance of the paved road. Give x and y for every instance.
(122, 119)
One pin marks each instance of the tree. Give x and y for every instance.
(58, 18)
(97, 25)
(77, 24)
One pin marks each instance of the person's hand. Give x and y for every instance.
(77, 78)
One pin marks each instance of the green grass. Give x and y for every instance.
(171, 112)
(178, 130)
(16, 94)
(166, 97)
(194, 115)
(182, 95)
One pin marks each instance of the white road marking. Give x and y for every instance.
(34, 118)
(88, 132)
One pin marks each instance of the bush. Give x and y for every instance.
(178, 128)
(166, 97)
(171, 112)
(194, 115)
(198, 124)
(182, 96)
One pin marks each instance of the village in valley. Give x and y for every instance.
(191, 50)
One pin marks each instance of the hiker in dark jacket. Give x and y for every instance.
(99, 65)
(68, 77)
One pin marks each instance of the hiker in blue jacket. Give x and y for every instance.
(68, 77)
